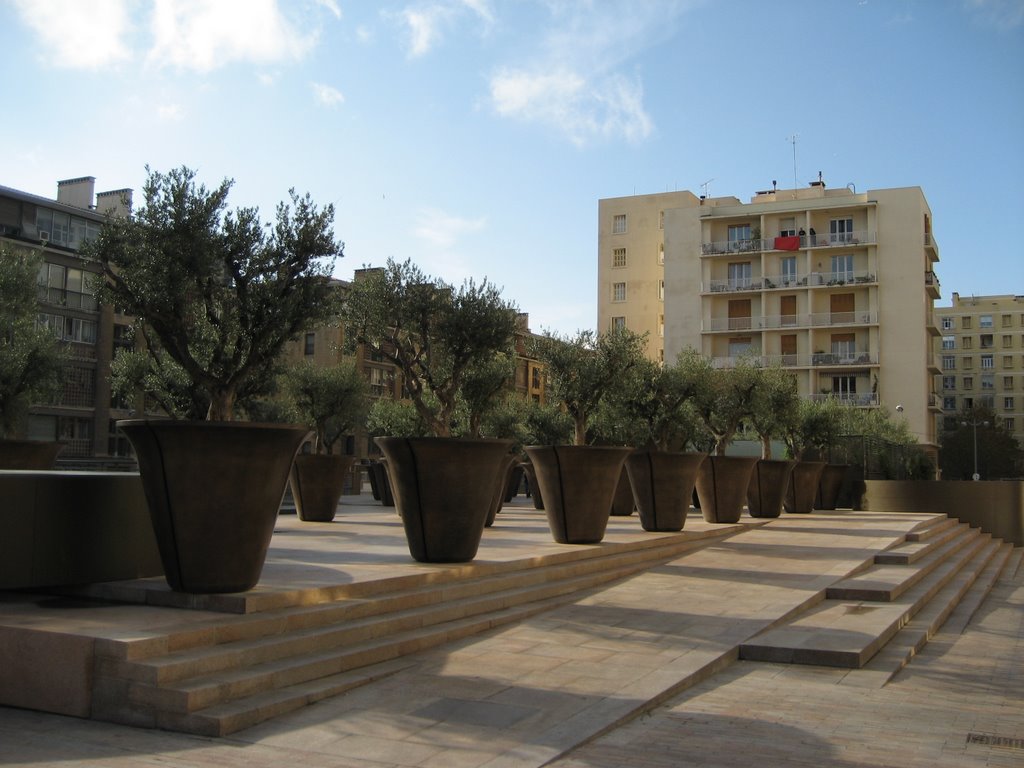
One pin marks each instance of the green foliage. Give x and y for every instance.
(999, 453)
(774, 407)
(331, 400)
(437, 335)
(584, 369)
(395, 418)
(485, 385)
(218, 291)
(817, 426)
(31, 358)
(728, 401)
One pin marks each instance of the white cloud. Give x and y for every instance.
(608, 108)
(170, 112)
(327, 95)
(331, 6)
(202, 36)
(79, 35)
(427, 23)
(443, 230)
(364, 34)
(1004, 14)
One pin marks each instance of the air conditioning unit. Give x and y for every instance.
(44, 236)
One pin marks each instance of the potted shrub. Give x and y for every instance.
(31, 361)
(660, 419)
(815, 426)
(579, 481)
(773, 410)
(544, 424)
(216, 294)
(436, 335)
(331, 400)
(722, 481)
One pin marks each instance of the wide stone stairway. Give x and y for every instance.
(535, 647)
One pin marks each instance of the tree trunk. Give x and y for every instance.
(222, 405)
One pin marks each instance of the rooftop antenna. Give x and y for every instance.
(705, 186)
(792, 140)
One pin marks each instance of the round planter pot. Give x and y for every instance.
(578, 483)
(722, 487)
(803, 487)
(317, 481)
(444, 490)
(663, 487)
(500, 488)
(213, 491)
(830, 484)
(769, 483)
(379, 474)
(28, 454)
(531, 478)
(623, 501)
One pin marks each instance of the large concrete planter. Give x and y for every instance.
(830, 484)
(28, 454)
(531, 478)
(663, 487)
(578, 483)
(722, 487)
(501, 488)
(444, 489)
(380, 483)
(317, 482)
(769, 483)
(213, 491)
(803, 487)
(623, 502)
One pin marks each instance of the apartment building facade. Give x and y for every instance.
(981, 353)
(836, 285)
(82, 415)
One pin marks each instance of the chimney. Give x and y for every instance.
(117, 202)
(77, 192)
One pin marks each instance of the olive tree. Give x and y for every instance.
(774, 405)
(331, 399)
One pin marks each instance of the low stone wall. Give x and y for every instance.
(69, 528)
(997, 507)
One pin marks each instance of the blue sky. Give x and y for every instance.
(476, 136)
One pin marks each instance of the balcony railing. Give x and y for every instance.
(816, 320)
(70, 299)
(931, 282)
(849, 398)
(730, 285)
(818, 359)
(838, 240)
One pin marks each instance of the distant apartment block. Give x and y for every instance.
(981, 352)
(834, 284)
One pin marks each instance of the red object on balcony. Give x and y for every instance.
(790, 243)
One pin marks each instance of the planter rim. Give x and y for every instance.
(587, 447)
(213, 424)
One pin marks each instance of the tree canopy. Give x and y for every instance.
(331, 399)
(999, 453)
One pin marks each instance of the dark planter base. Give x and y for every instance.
(380, 481)
(213, 491)
(663, 487)
(722, 487)
(28, 454)
(578, 483)
(803, 487)
(830, 484)
(501, 488)
(623, 501)
(531, 479)
(769, 483)
(317, 482)
(444, 490)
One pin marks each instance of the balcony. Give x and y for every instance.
(771, 322)
(817, 360)
(69, 299)
(849, 398)
(931, 284)
(813, 279)
(799, 242)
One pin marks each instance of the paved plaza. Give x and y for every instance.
(640, 672)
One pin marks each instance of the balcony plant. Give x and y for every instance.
(31, 361)
(723, 480)
(437, 336)
(331, 400)
(773, 410)
(578, 481)
(217, 294)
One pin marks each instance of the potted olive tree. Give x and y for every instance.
(437, 336)
(578, 481)
(772, 413)
(217, 294)
(722, 481)
(816, 425)
(657, 409)
(331, 400)
(543, 424)
(31, 361)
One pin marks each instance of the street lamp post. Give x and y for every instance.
(975, 424)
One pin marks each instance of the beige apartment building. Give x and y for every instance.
(982, 358)
(834, 284)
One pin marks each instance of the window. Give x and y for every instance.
(618, 291)
(949, 342)
(1007, 361)
(661, 219)
(1008, 424)
(739, 275)
(968, 362)
(842, 268)
(1007, 340)
(949, 403)
(619, 224)
(844, 386)
(1007, 382)
(986, 341)
(661, 325)
(787, 227)
(661, 290)
(619, 257)
(968, 382)
(988, 381)
(840, 231)
(965, 322)
(949, 362)
(82, 331)
(661, 253)
(788, 270)
(949, 382)
(618, 323)
(739, 237)
(986, 361)
(740, 346)
(844, 346)
(1007, 321)
(947, 324)
(987, 401)
(967, 342)
(310, 344)
(985, 321)
(1007, 403)
(968, 403)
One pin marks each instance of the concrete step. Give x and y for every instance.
(933, 527)
(847, 633)
(914, 549)
(885, 583)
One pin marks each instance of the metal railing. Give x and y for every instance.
(818, 359)
(728, 285)
(755, 245)
(769, 322)
(849, 398)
